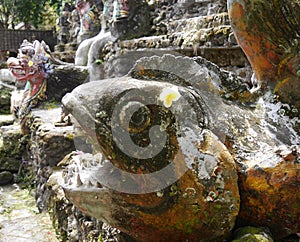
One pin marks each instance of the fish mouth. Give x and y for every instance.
(83, 172)
(79, 181)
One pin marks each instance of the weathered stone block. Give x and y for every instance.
(48, 146)
(64, 79)
(6, 120)
(11, 148)
(137, 24)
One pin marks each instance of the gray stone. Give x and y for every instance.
(205, 36)
(252, 234)
(16, 101)
(81, 56)
(5, 177)
(7, 77)
(20, 220)
(48, 146)
(121, 63)
(137, 24)
(64, 79)
(95, 69)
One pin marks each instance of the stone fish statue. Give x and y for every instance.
(206, 132)
(184, 151)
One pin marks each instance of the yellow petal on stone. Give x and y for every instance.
(169, 95)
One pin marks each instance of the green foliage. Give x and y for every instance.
(99, 62)
(30, 11)
(50, 104)
(7, 12)
(38, 13)
(26, 178)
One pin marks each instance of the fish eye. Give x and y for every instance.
(135, 117)
(140, 120)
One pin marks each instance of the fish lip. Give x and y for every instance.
(84, 189)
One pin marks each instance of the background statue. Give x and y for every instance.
(75, 26)
(32, 66)
(64, 25)
(89, 12)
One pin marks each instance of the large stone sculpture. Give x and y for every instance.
(203, 203)
(75, 26)
(268, 32)
(172, 89)
(64, 25)
(171, 137)
(131, 22)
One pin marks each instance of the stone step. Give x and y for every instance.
(65, 56)
(215, 43)
(206, 37)
(203, 32)
(195, 8)
(210, 37)
(197, 23)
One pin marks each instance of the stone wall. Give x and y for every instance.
(188, 28)
(11, 39)
(50, 148)
(7, 85)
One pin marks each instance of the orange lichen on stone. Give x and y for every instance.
(254, 43)
(270, 197)
(195, 210)
(267, 31)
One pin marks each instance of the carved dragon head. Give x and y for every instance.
(31, 62)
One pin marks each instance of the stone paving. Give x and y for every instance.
(19, 218)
